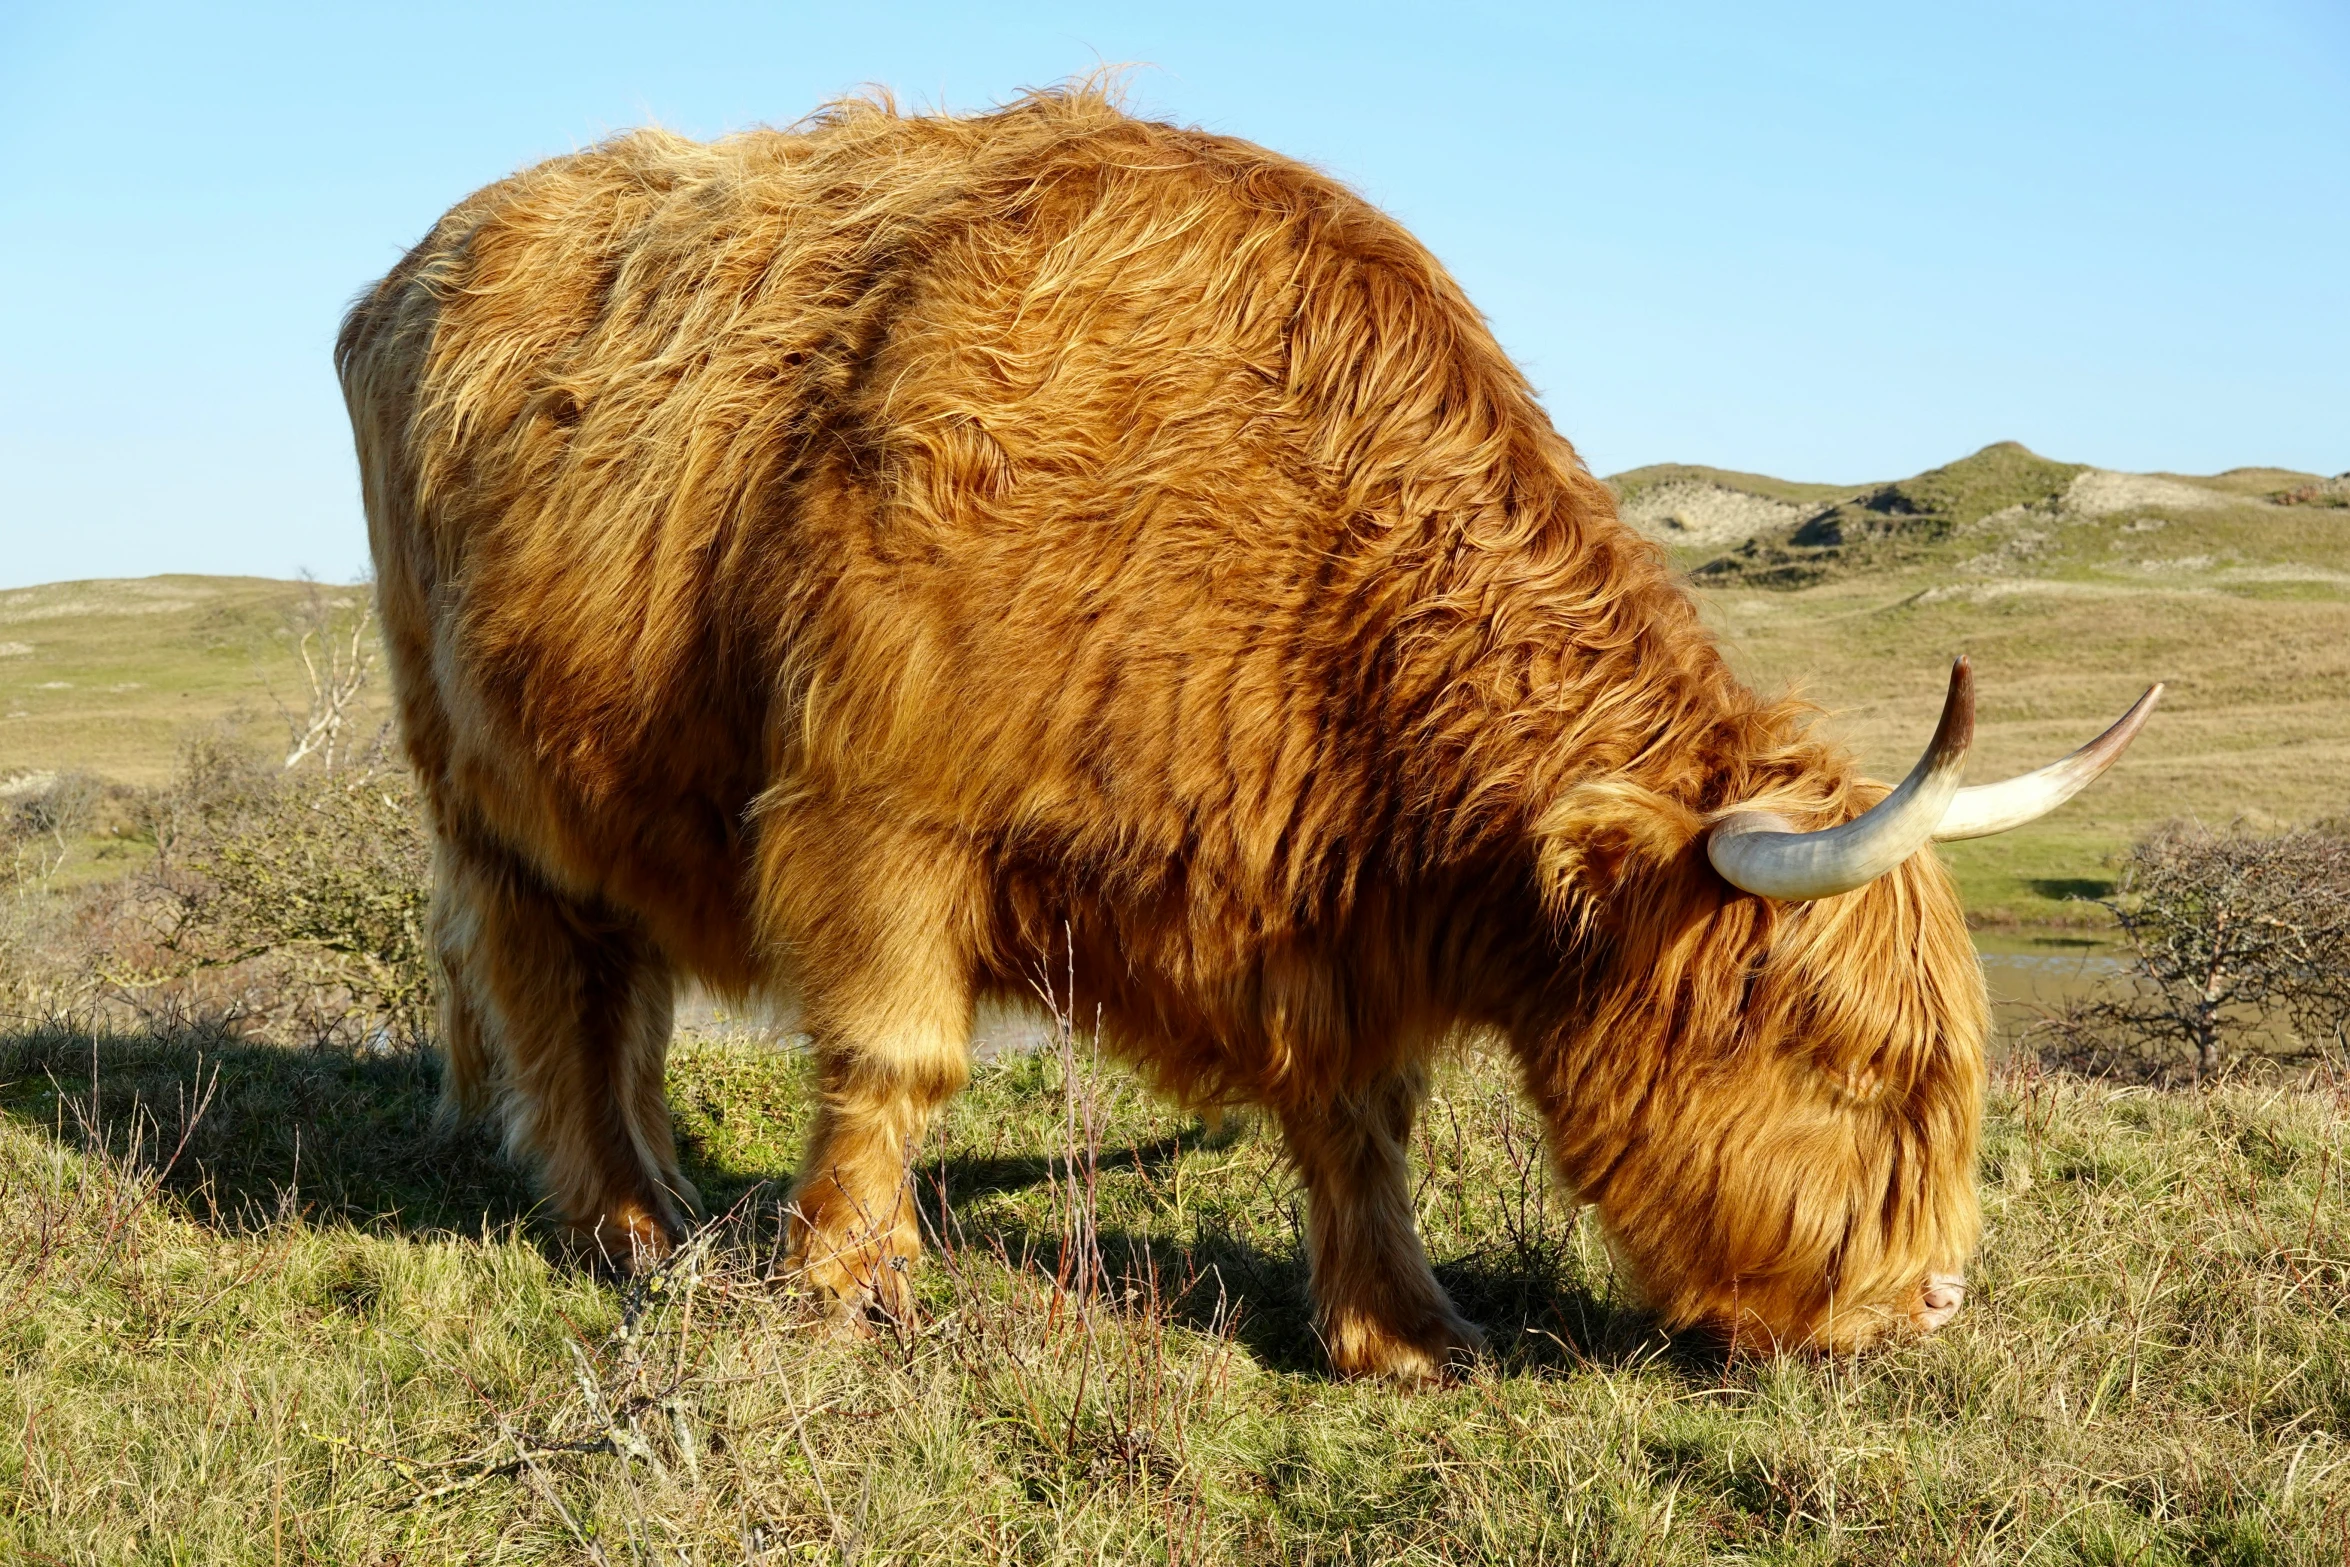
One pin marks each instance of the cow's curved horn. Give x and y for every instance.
(1988, 808)
(1759, 852)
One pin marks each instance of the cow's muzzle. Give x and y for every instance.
(1939, 1301)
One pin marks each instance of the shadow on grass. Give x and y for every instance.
(2061, 889)
(1538, 1314)
(971, 1176)
(245, 1135)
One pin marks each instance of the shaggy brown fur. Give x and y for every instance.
(888, 560)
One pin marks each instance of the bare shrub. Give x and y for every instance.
(42, 825)
(334, 635)
(2231, 934)
(46, 822)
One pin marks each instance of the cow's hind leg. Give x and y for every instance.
(556, 1019)
(1379, 1308)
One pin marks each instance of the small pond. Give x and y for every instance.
(2029, 971)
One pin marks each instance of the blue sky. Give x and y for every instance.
(1841, 242)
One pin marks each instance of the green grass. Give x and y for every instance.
(329, 1331)
(2248, 481)
(109, 677)
(2000, 511)
(2252, 639)
(1632, 481)
(1922, 521)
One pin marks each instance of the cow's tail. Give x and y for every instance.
(380, 358)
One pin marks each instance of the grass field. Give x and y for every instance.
(2240, 607)
(2254, 723)
(110, 677)
(317, 1328)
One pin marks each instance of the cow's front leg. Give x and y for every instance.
(854, 1231)
(887, 999)
(1379, 1309)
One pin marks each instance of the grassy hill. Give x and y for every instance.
(111, 677)
(2071, 586)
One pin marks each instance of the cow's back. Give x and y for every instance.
(1091, 489)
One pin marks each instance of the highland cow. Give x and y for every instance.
(879, 562)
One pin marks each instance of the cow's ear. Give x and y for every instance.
(1600, 834)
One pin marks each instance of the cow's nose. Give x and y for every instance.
(1939, 1301)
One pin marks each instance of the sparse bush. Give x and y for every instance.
(45, 821)
(2231, 935)
(41, 825)
(334, 636)
(2322, 492)
(293, 901)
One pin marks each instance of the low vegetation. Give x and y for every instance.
(295, 901)
(2232, 938)
(257, 1305)
(1895, 525)
(289, 902)
(2070, 605)
(109, 678)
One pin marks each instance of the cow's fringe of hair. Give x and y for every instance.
(888, 556)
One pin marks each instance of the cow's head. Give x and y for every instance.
(1765, 1068)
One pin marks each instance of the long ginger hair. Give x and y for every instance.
(1128, 550)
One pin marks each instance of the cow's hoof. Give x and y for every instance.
(626, 1239)
(857, 1288)
(1431, 1353)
